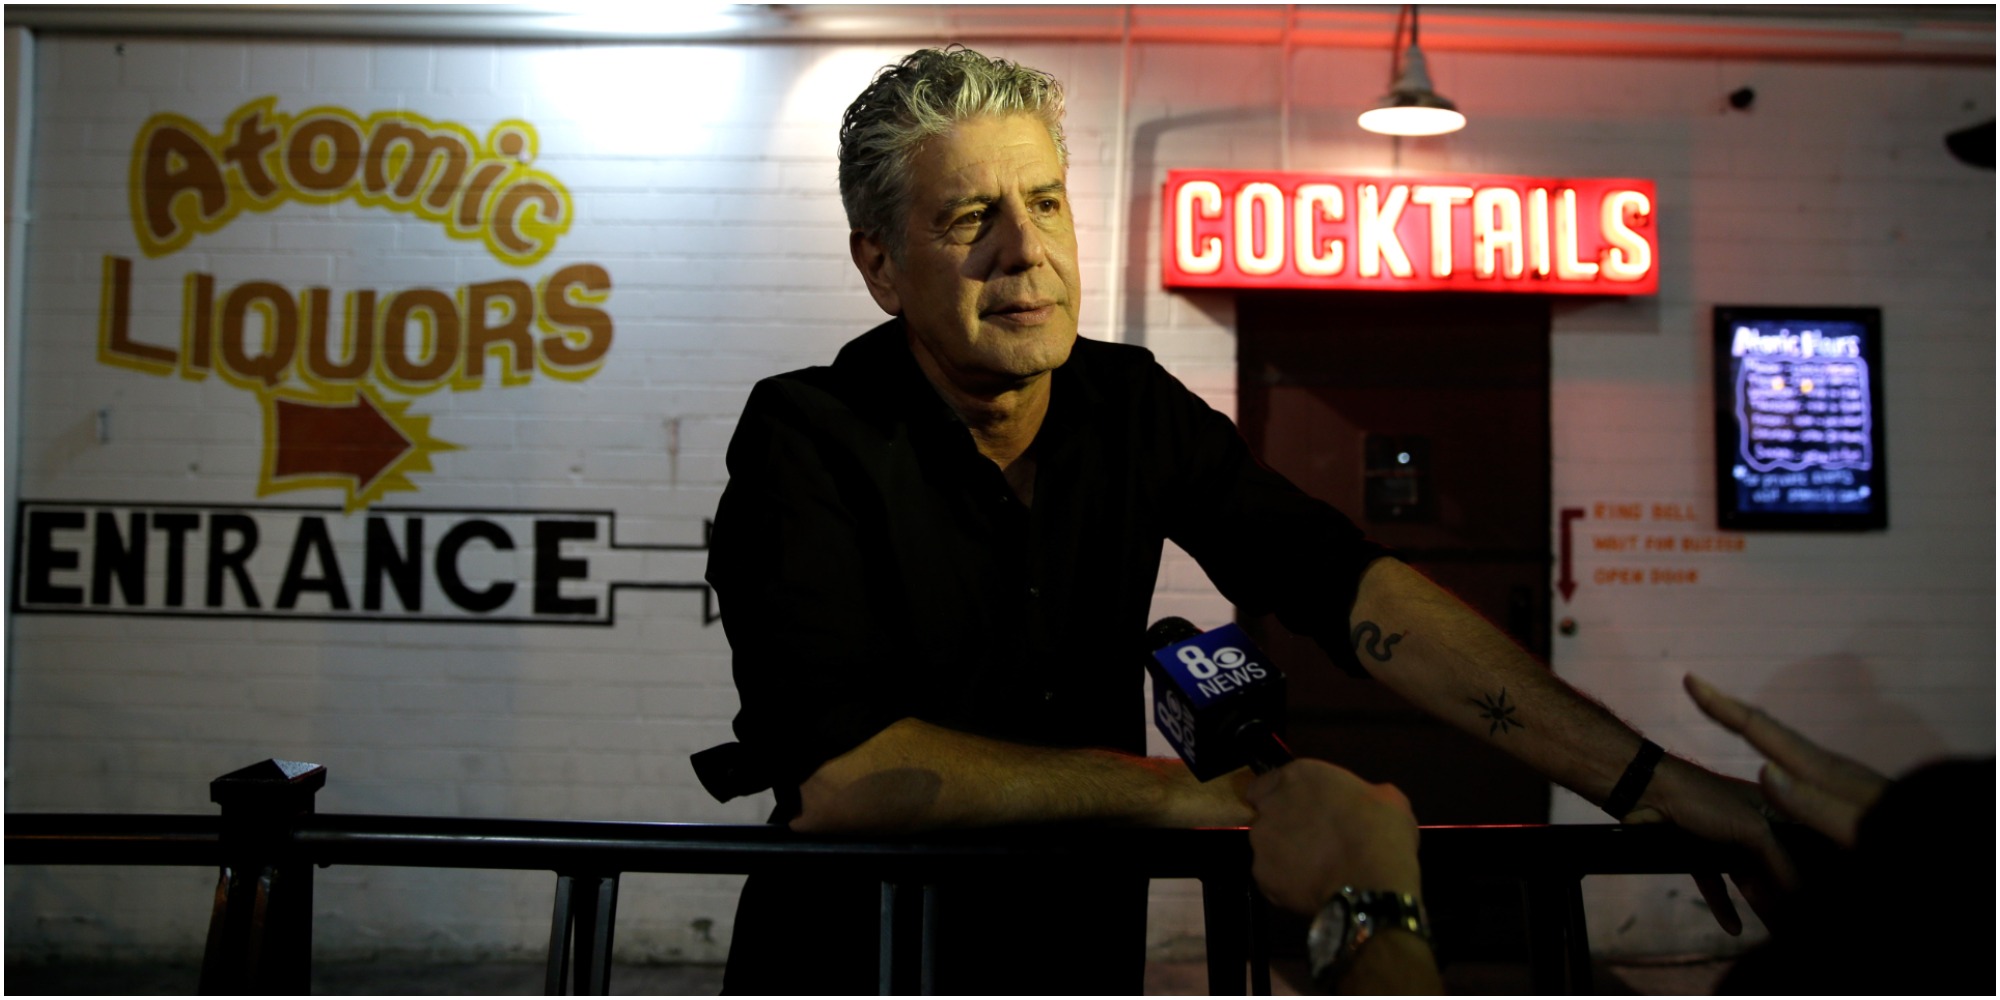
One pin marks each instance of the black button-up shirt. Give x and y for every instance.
(872, 565)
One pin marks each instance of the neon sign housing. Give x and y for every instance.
(1453, 233)
(1798, 419)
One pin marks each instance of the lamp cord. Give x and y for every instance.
(1404, 15)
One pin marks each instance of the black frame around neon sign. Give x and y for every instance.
(1799, 419)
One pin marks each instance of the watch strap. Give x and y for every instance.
(1350, 919)
(1624, 796)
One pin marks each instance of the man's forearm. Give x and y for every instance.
(1446, 659)
(916, 776)
(1452, 663)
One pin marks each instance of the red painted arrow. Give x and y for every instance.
(1566, 582)
(354, 440)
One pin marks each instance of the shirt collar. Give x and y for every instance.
(881, 359)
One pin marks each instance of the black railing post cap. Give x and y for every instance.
(264, 778)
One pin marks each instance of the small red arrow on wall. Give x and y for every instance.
(333, 440)
(1567, 582)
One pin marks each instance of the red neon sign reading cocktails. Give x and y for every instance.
(1458, 233)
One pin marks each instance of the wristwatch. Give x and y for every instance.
(1349, 919)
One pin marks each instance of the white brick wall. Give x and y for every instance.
(719, 225)
(1835, 189)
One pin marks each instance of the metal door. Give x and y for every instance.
(1425, 419)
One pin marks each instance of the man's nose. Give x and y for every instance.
(1021, 244)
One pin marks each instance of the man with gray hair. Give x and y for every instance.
(938, 555)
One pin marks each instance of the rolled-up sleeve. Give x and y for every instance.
(787, 562)
(1266, 544)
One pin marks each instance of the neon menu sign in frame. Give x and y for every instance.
(1798, 419)
(1443, 233)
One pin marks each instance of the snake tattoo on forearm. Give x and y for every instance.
(1367, 638)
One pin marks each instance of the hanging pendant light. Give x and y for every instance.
(1411, 107)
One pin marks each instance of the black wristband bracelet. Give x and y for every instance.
(1633, 782)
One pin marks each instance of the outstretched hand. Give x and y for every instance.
(1806, 782)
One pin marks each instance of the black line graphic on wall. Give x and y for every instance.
(407, 564)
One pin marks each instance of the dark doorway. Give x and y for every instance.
(1425, 418)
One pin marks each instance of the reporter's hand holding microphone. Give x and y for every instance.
(1326, 844)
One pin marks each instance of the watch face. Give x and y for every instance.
(1329, 929)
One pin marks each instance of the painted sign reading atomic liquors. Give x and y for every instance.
(341, 377)
(326, 375)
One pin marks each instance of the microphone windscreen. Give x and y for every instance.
(1216, 697)
(1168, 631)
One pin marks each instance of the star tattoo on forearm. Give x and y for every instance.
(1498, 713)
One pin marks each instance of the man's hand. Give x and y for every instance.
(1808, 783)
(1725, 810)
(1320, 827)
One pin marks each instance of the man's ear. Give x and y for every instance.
(877, 268)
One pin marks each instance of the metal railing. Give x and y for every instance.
(268, 841)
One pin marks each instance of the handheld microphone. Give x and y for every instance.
(1217, 698)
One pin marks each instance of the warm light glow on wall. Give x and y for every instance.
(638, 17)
(618, 97)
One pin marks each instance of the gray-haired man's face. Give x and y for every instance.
(987, 279)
